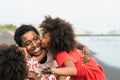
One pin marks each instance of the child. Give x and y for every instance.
(59, 38)
(12, 63)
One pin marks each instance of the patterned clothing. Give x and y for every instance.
(33, 64)
(34, 67)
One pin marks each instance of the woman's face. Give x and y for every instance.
(45, 39)
(31, 41)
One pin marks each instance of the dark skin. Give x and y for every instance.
(32, 75)
(58, 36)
(86, 53)
(31, 45)
(32, 41)
(70, 68)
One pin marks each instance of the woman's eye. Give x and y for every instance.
(36, 38)
(27, 44)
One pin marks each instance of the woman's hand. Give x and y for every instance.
(86, 55)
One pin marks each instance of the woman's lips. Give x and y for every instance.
(36, 51)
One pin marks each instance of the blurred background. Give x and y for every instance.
(96, 24)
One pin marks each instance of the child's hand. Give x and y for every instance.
(24, 51)
(45, 71)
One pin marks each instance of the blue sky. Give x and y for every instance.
(83, 14)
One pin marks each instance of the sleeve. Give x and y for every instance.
(61, 58)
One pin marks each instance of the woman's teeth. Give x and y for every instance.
(37, 49)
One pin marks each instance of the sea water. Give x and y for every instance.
(106, 48)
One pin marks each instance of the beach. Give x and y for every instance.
(111, 72)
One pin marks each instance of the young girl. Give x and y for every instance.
(59, 38)
(12, 63)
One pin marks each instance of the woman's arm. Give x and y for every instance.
(79, 45)
(86, 53)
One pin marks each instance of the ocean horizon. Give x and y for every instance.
(105, 47)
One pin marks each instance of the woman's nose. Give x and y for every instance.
(33, 43)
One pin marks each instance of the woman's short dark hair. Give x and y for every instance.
(61, 34)
(21, 31)
(12, 63)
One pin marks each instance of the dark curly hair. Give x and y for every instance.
(12, 63)
(21, 31)
(61, 34)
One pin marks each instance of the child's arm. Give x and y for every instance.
(68, 70)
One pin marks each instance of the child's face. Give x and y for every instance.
(31, 41)
(45, 39)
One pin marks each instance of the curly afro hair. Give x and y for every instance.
(12, 63)
(61, 34)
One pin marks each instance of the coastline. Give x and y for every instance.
(98, 35)
(111, 73)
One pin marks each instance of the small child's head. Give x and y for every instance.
(57, 35)
(12, 63)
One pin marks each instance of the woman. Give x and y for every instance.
(27, 37)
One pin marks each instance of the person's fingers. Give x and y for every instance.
(46, 70)
(86, 55)
(82, 53)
